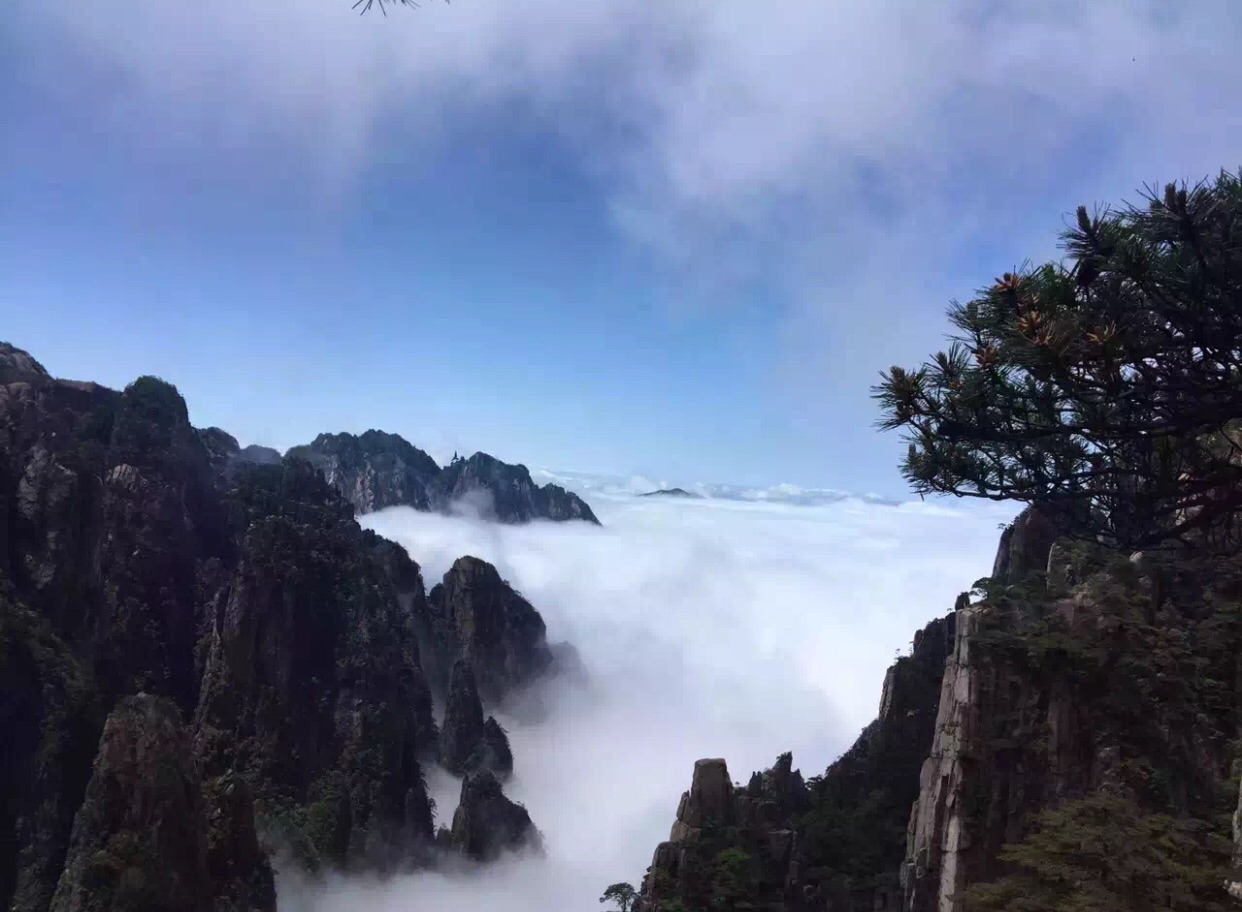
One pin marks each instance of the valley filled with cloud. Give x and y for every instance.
(707, 627)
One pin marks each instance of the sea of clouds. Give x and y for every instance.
(731, 627)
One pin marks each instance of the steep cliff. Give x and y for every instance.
(487, 824)
(475, 615)
(507, 492)
(276, 645)
(373, 470)
(1066, 740)
(834, 842)
(1106, 681)
(140, 839)
(376, 470)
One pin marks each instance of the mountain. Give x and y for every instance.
(670, 492)
(203, 656)
(376, 470)
(1065, 739)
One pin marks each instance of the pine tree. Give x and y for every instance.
(1108, 385)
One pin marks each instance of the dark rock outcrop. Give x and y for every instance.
(237, 864)
(463, 733)
(139, 555)
(258, 455)
(495, 753)
(669, 492)
(373, 470)
(836, 843)
(312, 685)
(50, 720)
(477, 616)
(1024, 546)
(505, 491)
(376, 470)
(468, 743)
(487, 823)
(140, 837)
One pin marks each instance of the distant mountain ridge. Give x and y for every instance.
(589, 485)
(670, 492)
(377, 469)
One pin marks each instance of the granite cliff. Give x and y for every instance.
(204, 657)
(375, 470)
(1066, 739)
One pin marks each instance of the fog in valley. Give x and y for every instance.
(708, 628)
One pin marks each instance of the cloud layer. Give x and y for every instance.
(709, 628)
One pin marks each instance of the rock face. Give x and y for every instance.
(1024, 546)
(815, 847)
(311, 682)
(462, 734)
(507, 492)
(140, 838)
(377, 470)
(487, 823)
(754, 825)
(373, 470)
(477, 616)
(139, 555)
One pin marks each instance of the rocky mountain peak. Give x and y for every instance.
(17, 366)
(477, 616)
(487, 823)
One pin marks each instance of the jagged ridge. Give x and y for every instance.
(276, 642)
(377, 469)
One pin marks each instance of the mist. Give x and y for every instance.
(708, 628)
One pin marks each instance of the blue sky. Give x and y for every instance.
(618, 237)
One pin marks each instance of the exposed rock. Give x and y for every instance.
(487, 823)
(496, 754)
(708, 803)
(221, 446)
(373, 470)
(312, 684)
(236, 864)
(823, 848)
(376, 470)
(258, 455)
(50, 723)
(463, 733)
(140, 555)
(670, 492)
(139, 839)
(475, 615)
(17, 366)
(1024, 546)
(468, 743)
(506, 492)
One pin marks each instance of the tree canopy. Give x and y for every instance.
(1102, 854)
(622, 894)
(1107, 385)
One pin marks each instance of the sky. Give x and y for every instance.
(624, 236)
(707, 628)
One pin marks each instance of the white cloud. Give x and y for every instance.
(709, 628)
(865, 160)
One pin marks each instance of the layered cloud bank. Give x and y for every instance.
(709, 627)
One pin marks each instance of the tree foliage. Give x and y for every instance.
(1109, 384)
(365, 6)
(622, 894)
(1102, 854)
